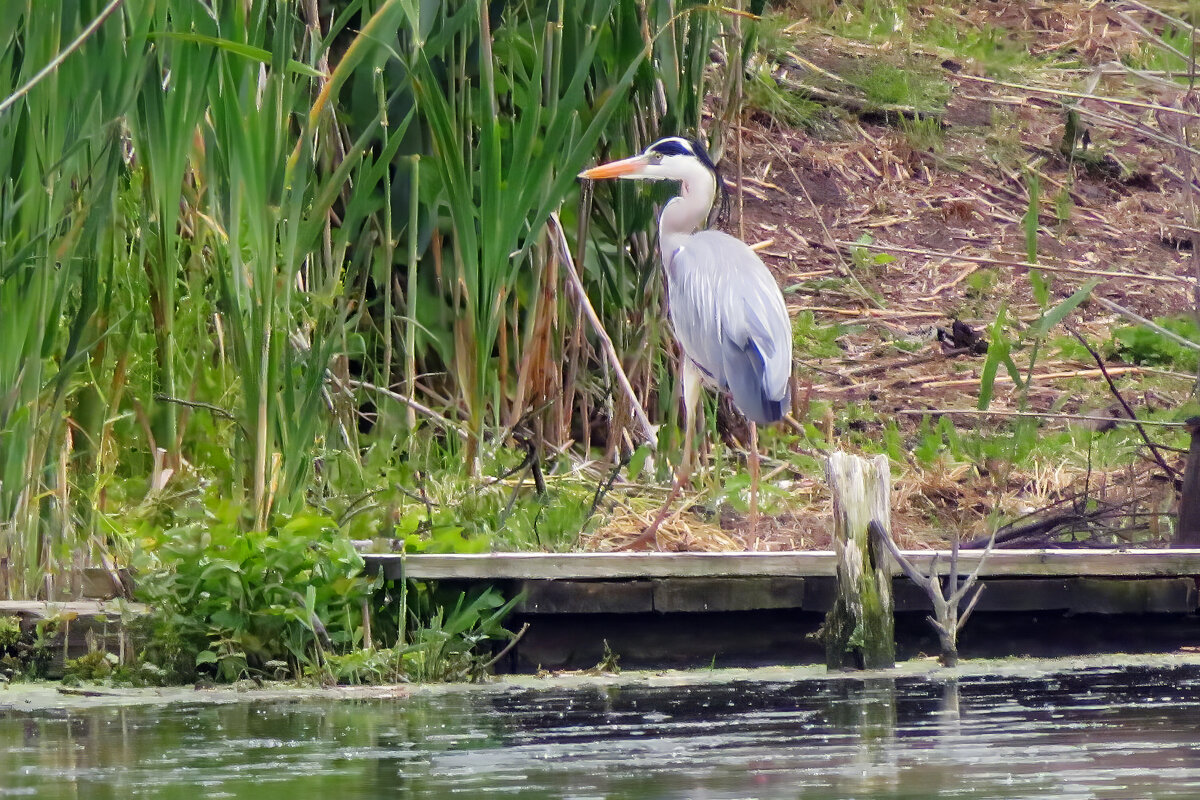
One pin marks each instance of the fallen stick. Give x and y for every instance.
(874, 369)
(1154, 326)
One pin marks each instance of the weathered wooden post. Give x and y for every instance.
(1187, 533)
(858, 629)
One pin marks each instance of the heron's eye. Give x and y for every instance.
(656, 158)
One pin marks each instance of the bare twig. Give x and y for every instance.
(1079, 95)
(846, 269)
(216, 411)
(1170, 471)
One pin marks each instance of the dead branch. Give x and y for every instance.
(947, 598)
(444, 421)
(1038, 533)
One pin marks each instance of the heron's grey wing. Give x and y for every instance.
(730, 319)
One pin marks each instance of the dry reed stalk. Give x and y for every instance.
(1007, 379)
(610, 352)
(875, 314)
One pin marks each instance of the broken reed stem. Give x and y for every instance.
(1176, 21)
(1128, 122)
(1156, 41)
(610, 351)
(1004, 262)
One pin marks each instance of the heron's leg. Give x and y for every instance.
(753, 477)
(691, 397)
(691, 401)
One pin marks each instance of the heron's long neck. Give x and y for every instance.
(687, 212)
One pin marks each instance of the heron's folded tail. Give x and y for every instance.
(745, 373)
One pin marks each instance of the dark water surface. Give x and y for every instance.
(1121, 733)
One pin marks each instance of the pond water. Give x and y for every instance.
(1120, 733)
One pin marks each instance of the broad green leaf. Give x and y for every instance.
(1057, 314)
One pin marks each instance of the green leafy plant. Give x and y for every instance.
(10, 633)
(96, 665)
(444, 643)
(1138, 344)
(229, 601)
(815, 340)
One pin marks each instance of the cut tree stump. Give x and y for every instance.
(858, 631)
(1187, 534)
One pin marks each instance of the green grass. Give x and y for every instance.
(902, 85)
(763, 93)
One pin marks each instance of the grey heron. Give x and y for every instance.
(724, 305)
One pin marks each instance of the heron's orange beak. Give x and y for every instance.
(615, 169)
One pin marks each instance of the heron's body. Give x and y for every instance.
(725, 306)
(730, 320)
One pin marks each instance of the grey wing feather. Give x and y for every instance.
(730, 319)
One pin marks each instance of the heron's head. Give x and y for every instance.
(671, 159)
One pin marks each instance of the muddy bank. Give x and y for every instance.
(49, 696)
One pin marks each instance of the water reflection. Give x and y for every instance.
(1108, 733)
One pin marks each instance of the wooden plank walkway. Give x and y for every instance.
(697, 609)
(47, 609)
(1123, 563)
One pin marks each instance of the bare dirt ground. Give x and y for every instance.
(951, 215)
